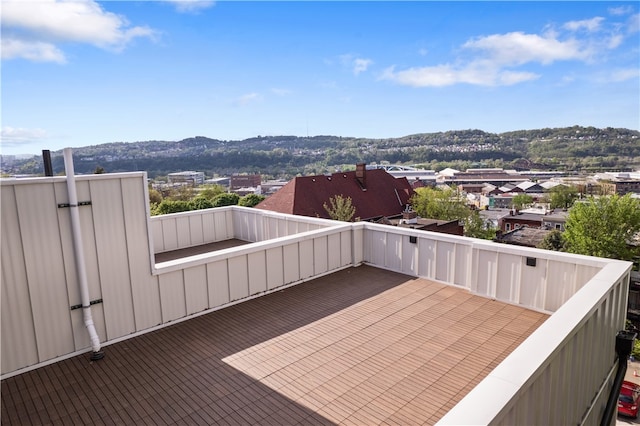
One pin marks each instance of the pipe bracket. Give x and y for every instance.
(93, 302)
(80, 203)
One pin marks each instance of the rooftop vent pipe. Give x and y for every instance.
(79, 252)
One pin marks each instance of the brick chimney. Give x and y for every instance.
(361, 175)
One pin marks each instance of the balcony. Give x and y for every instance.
(308, 321)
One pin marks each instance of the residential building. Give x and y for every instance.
(310, 321)
(373, 192)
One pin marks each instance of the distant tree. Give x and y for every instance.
(226, 199)
(553, 241)
(155, 197)
(200, 202)
(211, 191)
(562, 197)
(180, 193)
(251, 200)
(521, 200)
(340, 208)
(441, 204)
(99, 170)
(476, 227)
(604, 227)
(171, 206)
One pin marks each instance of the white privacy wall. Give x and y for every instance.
(39, 283)
(180, 230)
(499, 271)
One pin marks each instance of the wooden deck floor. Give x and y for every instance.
(362, 346)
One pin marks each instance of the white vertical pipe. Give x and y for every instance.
(79, 253)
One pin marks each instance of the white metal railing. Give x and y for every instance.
(181, 230)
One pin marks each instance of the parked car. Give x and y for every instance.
(628, 399)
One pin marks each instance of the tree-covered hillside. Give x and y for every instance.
(571, 148)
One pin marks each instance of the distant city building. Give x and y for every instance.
(237, 182)
(188, 177)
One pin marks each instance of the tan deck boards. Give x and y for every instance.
(362, 346)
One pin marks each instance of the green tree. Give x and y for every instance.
(441, 204)
(211, 191)
(200, 202)
(154, 196)
(476, 227)
(99, 170)
(562, 197)
(340, 208)
(180, 193)
(171, 206)
(603, 227)
(521, 200)
(553, 241)
(225, 199)
(251, 200)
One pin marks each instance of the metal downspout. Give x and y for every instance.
(624, 346)
(79, 256)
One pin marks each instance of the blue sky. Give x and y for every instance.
(78, 73)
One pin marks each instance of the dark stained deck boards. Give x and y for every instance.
(360, 346)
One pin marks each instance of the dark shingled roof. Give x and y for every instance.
(381, 194)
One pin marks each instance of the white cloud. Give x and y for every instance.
(248, 99)
(191, 6)
(622, 10)
(357, 65)
(45, 22)
(361, 65)
(634, 24)
(16, 136)
(477, 73)
(280, 92)
(36, 51)
(624, 75)
(499, 59)
(589, 25)
(519, 48)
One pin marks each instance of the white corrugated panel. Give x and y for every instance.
(320, 255)
(183, 231)
(446, 261)
(144, 286)
(291, 263)
(508, 278)
(158, 237)
(195, 288)
(409, 256)
(427, 267)
(169, 234)
(208, 226)
(172, 297)
(38, 213)
(196, 230)
(18, 336)
(238, 277)
(463, 265)
(257, 272)
(535, 282)
(394, 251)
(275, 268)
(306, 258)
(333, 251)
(218, 283)
(111, 242)
(485, 272)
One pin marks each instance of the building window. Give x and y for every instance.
(508, 227)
